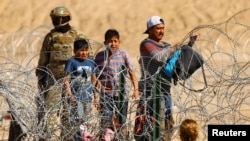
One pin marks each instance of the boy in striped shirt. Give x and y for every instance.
(109, 62)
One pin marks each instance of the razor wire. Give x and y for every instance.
(224, 47)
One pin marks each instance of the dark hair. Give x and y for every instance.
(80, 43)
(111, 33)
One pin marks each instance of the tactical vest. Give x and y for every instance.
(62, 45)
(61, 50)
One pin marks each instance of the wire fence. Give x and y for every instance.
(224, 100)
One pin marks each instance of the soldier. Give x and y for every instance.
(56, 49)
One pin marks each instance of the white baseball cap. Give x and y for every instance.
(152, 21)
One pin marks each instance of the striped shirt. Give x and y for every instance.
(109, 69)
(153, 56)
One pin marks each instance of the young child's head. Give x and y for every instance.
(112, 39)
(81, 48)
(189, 130)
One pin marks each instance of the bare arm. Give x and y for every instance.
(68, 88)
(134, 83)
(95, 82)
(97, 86)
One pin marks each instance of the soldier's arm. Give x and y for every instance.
(41, 71)
(43, 56)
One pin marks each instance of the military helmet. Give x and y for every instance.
(60, 11)
(60, 16)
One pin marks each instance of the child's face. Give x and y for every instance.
(113, 42)
(82, 53)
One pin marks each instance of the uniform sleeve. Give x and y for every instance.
(44, 56)
(81, 35)
(77, 33)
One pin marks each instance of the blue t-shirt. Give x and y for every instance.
(80, 73)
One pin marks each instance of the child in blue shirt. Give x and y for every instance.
(79, 77)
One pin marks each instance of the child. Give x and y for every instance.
(109, 64)
(189, 130)
(79, 77)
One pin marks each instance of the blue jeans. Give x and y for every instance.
(168, 106)
(79, 111)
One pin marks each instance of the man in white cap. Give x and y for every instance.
(153, 55)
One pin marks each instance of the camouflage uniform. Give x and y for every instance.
(57, 48)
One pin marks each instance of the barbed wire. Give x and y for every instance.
(224, 47)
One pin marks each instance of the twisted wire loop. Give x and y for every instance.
(224, 47)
